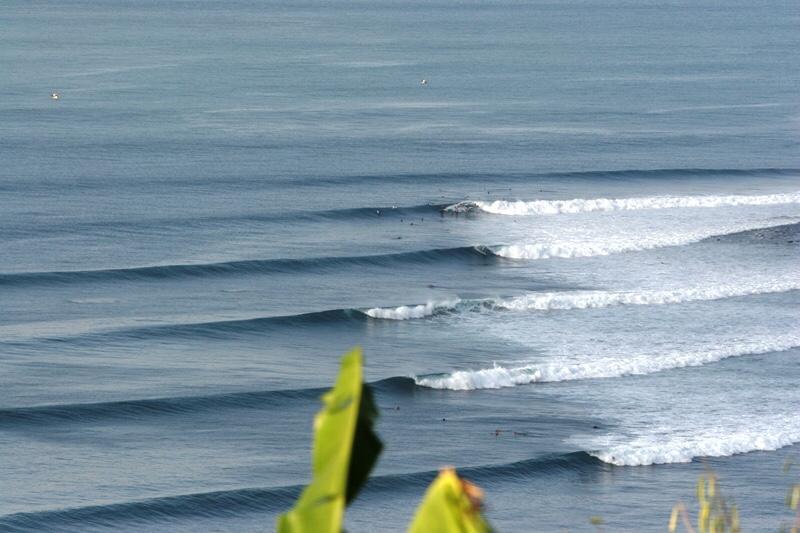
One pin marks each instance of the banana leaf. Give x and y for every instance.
(451, 505)
(345, 450)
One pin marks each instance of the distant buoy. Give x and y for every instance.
(54, 96)
(423, 82)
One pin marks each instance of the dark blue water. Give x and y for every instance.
(571, 257)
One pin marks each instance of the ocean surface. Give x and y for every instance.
(572, 257)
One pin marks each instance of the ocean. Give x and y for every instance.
(571, 257)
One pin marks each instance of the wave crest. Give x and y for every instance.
(619, 244)
(719, 443)
(406, 312)
(594, 299)
(588, 205)
(566, 300)
(499, 376)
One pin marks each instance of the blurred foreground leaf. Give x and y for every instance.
(714, 514)
(345, 450)
(451, 505)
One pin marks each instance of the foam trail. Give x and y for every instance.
(754, 435)
(594, 299)
(499, 376)
(405, 312)
(548, 301)
(615, 245)
(93, 300)
(588, 205)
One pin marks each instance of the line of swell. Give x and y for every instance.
(144, 409)
(588, 205)
(245, 267)
(478, 254)
(239, 501)
(183, 223)
(258, 182)
(531, 302)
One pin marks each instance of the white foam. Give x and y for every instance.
(587, 205)
(93, 300)
(681, 447)
(618, 244)
(547, 301)
(594, 299)
(624, 365)
(406, 312)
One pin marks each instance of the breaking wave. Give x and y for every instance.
(588, 205)
(544, 301)
(406, 312)
(591, 299)
(500, 376)
(595, 299)
(617, 245)
(716, 442)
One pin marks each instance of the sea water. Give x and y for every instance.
(572, 257)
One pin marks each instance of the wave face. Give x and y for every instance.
(500, 376)
(226, 503)
(588, 205)
(133, 410)
(246, 267)
(763, 435)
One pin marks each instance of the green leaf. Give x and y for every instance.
(366, 445)
(345, 450)
(451, 505)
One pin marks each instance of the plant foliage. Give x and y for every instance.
(451, 505)
(345, 450)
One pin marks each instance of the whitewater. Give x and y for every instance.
(549, 301)
(668, 446)
(589, 205)
(622, 242)
(499, 376)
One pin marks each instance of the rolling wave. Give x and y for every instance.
(147, 408)
(588, 205)
(224, 329)
(142, 409)
(592, 299)
(500, 376)
(245, 267)
(257, 182)
(208, 504)
(101, 330)
(783, 233)
(479, 254)
(539, 301)
(238, 501)
(181, 223)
